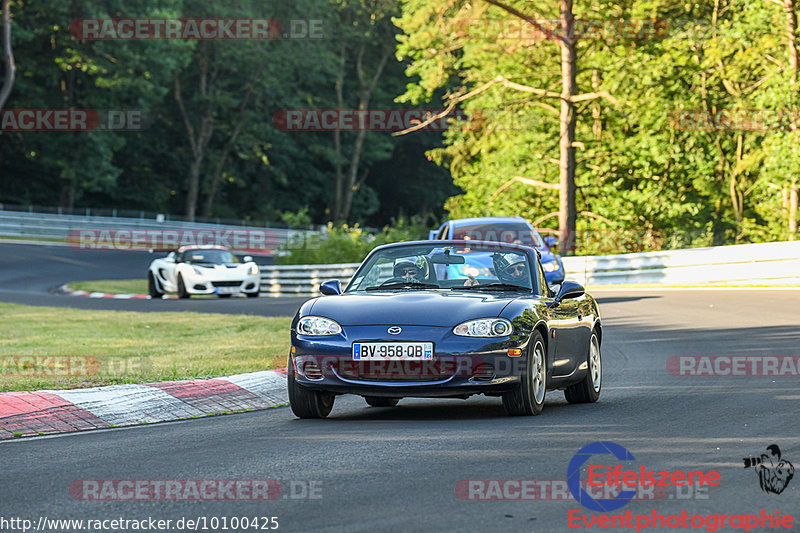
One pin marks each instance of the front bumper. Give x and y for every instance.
(215, 285)
(461, 366)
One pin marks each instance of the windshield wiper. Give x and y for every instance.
(492, 287)
(403, 285)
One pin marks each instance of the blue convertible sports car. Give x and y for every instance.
(446, 319)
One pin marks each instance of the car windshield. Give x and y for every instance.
(214, 257)
(510, 232)
(445, 267)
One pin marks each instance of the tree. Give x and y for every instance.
(8, 57)
(564, 38)
(367, 36)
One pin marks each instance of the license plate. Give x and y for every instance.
(402, 351)
(227, 290)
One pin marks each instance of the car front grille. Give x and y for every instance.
(395, 371)
(226, 283)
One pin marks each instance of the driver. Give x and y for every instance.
(407, 270)
(511, 268)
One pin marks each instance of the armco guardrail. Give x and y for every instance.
(57, 227)
(759, 264)
(302, 280)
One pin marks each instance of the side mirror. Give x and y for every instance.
(330, 287)
(170, 257)
(551, 241)
(432, 235)
(247, 258)
(569, 289)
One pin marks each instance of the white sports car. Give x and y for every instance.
(203, 270)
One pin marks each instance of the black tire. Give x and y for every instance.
(252, 294)
(379, 401)
(528, 398)
(152, 287)
(182, 288)
(588, 389)
(306, 403)
(224, 295)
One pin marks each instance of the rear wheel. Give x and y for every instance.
(588, 389)
(528, 397)
(379, 401)
(182, 293)
(152, 287)
(306, 403)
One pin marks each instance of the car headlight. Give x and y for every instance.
(197, 271)
(550, 266)
(253, 270)
(317, 325)
(484, 327)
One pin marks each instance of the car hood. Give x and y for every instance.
(417, 307)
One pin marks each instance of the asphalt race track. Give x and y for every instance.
(397, 469)
(29, 274)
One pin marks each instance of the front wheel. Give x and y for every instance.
(182, 292)
(528, 397)
(379, 401)
(152, 287)
(588, 389)
(306, 403)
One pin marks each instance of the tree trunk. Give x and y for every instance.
(67, 198)
(351, 185)
(788, 7)
(791, 38)
(352, 182)
(336, 211)
(8, 57)
(226, 150)
(197, 141)
(793, 210)
(566, 194)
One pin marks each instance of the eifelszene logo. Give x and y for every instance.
(773, 472)
(617, 477)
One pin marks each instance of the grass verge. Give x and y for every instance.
(52, 348)
(111, 286)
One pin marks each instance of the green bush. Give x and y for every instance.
(348, 244)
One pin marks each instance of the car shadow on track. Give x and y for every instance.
(441, 410)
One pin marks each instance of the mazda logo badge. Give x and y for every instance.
(395, 330)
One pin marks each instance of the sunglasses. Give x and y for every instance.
(516, 269)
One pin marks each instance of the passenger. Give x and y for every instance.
(407, 270)
(511, 269)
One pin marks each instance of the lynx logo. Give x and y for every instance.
(773, 472)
